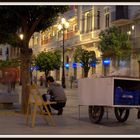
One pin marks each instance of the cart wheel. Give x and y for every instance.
(138, 114)
(121, 114)
(95, 113)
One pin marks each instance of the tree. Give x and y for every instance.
(114, 44)
(26, 19)
(86, 58)
(48, 61)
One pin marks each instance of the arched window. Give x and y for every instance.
(83, 23)
(107, 18)
(89, 22)
(98, 19)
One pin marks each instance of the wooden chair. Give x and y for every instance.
(36, 103)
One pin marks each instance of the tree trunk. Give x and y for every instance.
(46, 75)
(86, 70)
(26, 54)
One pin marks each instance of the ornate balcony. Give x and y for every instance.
(70, 39)
(94, 35)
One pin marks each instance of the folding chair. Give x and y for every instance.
(36, 103)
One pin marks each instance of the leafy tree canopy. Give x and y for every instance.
(114, 43)
(86, 58)
(29, 19)
(47, 61)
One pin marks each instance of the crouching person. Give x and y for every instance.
(57, 94)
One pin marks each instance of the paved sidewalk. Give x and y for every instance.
(13, 123)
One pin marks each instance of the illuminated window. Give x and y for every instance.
(36, 40)
(97, 20)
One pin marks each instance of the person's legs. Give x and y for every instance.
(60, 111)
(59, 107)
(70, 84)
(45, 99)
(12, 86)
(9, 86)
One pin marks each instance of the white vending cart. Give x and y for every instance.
(122, 93)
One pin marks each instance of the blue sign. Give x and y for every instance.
(93, 63)
(74, 65)
(36, 67)
(106, 61)
(67, 65)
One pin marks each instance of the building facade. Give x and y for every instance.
(85, 24)
(8, 52)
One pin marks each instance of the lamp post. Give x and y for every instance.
(62, 27)
(21, 36)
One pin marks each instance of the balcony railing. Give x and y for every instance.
(70, 38)
(45, 41)
(90, 36)
(54, 39)
(72, 41)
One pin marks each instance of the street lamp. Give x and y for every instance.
(129, 34)
(62, 27)
(21, 36)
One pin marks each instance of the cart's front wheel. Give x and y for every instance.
(96, 113)
(121, 113)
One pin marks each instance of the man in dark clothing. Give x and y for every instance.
(57, 94)
(41, 80)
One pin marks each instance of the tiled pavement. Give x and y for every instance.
(12, 122)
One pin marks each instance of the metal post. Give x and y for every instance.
(22, 45)
(31, 77)
(36, 76)
(105, 70)
(63, 68)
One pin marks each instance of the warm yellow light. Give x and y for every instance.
(133, 27)
(129, 32)
(21, 36)
(59, 27)
(63, 20)
(66, 25)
